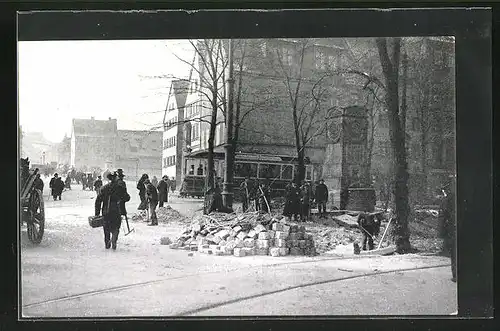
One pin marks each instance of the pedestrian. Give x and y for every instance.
(54, 186)
(321, 198)
(98, 185)
(305, 201)
(245, 189)
(154, 181)
(84, 181)
(163, 190)
(152, 198)
(369, 224)
(38, 183)
(447, 225)
(265, 196)
(142, 192)
(121, 182)
(67, 182)
(292, 203)
(109, 199)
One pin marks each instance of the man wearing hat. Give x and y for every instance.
(152, 198)
(163, 188)
(321, 197)
(98, 184)
(108, 200)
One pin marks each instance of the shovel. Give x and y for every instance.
(128, 227)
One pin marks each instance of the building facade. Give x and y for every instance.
(173, 131)
(98, 144)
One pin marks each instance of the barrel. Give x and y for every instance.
(361, 199)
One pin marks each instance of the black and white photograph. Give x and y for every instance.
(238, 177)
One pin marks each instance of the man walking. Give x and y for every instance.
(163, 190)
(152, 198)
(98, 185)
(56, 185)
(321, 198)
(141, 186)
(109, 199)
(448, 225)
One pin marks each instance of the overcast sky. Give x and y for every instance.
(61, 80)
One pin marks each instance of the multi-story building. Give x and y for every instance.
(99, 144)
(93, 142)
(138, 152)
(173, 130)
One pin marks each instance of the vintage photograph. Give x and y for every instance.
(237, 177)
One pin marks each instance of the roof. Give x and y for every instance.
(83, 127)
(180, 91)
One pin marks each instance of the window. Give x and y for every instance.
(319, 59)
(270, 171)
(195, 132)
(263, 49)
(287, 172)
(245, 169)
(308, 172)
(287, 56)
(415, 124)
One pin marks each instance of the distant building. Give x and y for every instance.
(93, 142)
(173, 130)
(139, 152)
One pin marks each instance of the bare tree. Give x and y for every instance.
(308, 98)
(389, 51)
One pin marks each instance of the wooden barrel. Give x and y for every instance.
(361, 199)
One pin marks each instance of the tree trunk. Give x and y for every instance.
(210, 180)
(396, 133)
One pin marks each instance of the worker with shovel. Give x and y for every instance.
(369, 223)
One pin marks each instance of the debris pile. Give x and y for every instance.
(164, 214)
(245, 235)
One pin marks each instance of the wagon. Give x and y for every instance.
(31, 202)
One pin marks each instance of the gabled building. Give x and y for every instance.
(138, 152)
(173, 130)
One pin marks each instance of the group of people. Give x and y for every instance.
(298, 199)
(153, 193)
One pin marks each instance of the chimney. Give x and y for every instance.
(92, 118)
(109, 118)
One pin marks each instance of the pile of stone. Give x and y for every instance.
(164, 214)
(245, 235)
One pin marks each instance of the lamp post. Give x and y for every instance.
(227, 194)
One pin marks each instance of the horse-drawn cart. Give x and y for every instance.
(32, 207)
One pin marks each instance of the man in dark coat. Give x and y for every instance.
(321, 198)
(292, 204)
(84, 181)
(121, 182)
(305, 200)
(98, 185)
(142, 192)
(57, 186)
(447, 222)
(246, 189)
(109, 199)
(163, 190)
(38, 183)
(369, 224)
(152, 198)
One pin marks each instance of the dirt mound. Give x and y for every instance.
(164, 214)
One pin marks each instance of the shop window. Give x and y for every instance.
(270, 171)
(245, 169)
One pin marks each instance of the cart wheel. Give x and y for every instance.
(36, 217)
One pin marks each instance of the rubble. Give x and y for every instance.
(245, 234)
(164, 214)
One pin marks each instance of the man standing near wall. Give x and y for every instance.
(321, 198)
(163, 190)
